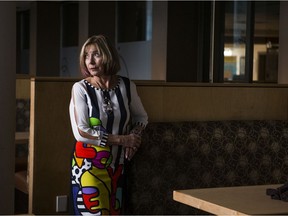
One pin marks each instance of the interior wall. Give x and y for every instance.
(51, 139)
(7, 108)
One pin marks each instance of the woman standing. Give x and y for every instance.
(107, 119)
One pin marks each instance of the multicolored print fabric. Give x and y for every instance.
(93, 176)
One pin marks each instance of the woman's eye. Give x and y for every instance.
(93, 55)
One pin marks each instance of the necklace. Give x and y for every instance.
(107, 105)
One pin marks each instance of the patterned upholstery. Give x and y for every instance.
(183, 155)
(22, 115)
(22, 125)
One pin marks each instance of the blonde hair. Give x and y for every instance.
(111, 63)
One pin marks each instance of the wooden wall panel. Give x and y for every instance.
(22, 88)
(176, 103)
(50, 146)
(51, 139)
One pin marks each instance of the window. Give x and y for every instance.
(266, 39)
(134, 21)
(134, 38)
(23, 45)
(250, 41)
(69, 40)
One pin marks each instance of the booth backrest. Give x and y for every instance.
(200, 154)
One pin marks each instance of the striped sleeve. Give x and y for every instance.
(79, 118)
(138, 113)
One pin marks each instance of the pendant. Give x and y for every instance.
(107, 106)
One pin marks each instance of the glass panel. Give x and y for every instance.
(134, 21)
(266, 35)
(23, 46)
(235, 38)
(69, 24)
(134, 39)
(69, 40)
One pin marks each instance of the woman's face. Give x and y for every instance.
(94, 61)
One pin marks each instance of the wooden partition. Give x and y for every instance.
(198, 102)
(51, 144)
(51, 139)
(22, 87)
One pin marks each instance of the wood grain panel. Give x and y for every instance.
(52, 147)
(176, 103)
(23, 88)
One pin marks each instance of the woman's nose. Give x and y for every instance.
(91, 59)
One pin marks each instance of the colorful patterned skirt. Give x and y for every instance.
(97, 182)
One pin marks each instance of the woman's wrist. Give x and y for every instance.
(114, 139)
(130, 140)
(138, 129)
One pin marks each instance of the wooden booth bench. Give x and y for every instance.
(189, 142)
